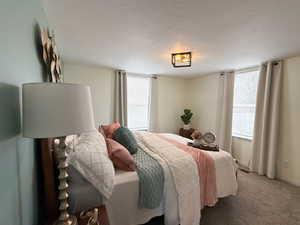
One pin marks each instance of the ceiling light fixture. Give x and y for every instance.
(183, 59)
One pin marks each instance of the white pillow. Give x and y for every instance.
(71, 141)
(91, 159)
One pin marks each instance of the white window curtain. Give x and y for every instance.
(120, 109)
(224, 114)
(153, 127)
(266, 127)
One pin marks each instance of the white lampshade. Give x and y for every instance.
(56, 110)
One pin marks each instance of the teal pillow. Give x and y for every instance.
(126, 138)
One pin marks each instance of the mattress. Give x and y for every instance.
(123, 208)
(124, 201)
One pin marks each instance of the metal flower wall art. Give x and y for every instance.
(51, 57)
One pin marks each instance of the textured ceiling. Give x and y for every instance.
(140, 35)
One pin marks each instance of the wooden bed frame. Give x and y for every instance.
(50, 181)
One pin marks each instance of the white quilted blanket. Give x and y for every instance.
(184, 171)
(91, 159)
(170, 202)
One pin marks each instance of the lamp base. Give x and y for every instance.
(62, 164)
(71, 221)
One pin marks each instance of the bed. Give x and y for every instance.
(122, 207)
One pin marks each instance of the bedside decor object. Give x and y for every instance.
(55, 110)
(91, 216)
(209, 137)
(183, 59)
(197, 136)
(186, 118)
(205, 142)
(51, 56)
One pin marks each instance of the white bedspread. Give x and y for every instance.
(185, 176)
(225, 169)
(123, 208)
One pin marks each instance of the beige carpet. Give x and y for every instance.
(260, 201)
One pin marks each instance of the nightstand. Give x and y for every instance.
(186, 133)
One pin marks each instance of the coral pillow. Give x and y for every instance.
(110, 129)
(120, 156)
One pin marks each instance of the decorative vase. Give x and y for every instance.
(186, 126)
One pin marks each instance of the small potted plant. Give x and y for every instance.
(186, 118)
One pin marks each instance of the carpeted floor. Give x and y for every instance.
(260, 201)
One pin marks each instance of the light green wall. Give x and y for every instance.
(171, 95)
(202, 98)
(101, 81)
(19, 63)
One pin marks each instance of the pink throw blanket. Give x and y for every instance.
(206, 170)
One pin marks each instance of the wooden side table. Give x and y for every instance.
(186, 133)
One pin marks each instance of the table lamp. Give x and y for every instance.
(55, 110)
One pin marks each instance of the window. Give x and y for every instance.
(245, 88)
(138, 94)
